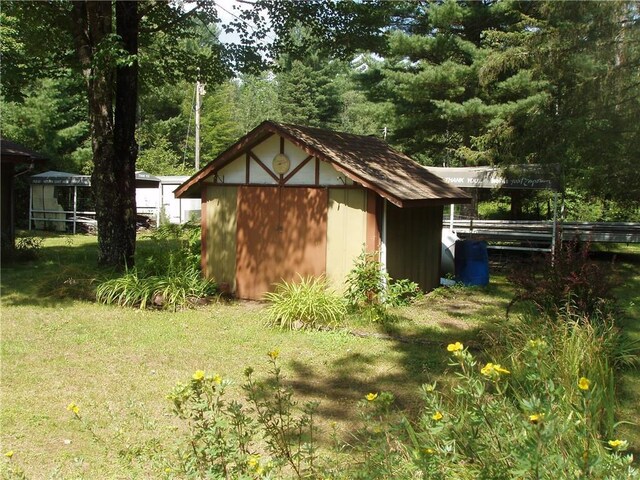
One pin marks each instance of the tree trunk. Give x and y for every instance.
(123, 229)
(113, 142)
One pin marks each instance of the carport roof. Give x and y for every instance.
(366, 160)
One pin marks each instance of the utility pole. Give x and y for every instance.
(199, 94)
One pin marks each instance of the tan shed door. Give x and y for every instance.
(282, 232)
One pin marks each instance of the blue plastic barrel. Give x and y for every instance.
(472, 262)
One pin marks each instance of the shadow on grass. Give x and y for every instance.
(65, 271)
(420, 357)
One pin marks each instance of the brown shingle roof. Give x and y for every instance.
(366, 160)
(15, 153)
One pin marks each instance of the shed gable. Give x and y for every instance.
(255, 167)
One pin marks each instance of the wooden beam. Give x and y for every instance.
(297, 169)
(264, 167)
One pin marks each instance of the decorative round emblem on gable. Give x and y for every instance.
(281, 164)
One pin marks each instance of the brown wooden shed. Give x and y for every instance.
(11, 156)
(287, 200)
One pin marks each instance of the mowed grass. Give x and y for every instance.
(118, 364)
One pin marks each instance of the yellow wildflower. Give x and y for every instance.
(273, 354)
(584, 383)
(455, 347)
(617, 443)
(487, 369)
(536, 418)
(493, 369)
(437, 416)
(217, 379)
(167, 470)
(498, 368)
(72, 407)
(371, 396)
(9, 454)
(429, 451)
(254, 461)
(198, 375)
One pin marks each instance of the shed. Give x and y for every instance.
(11, 156)
(288, 200)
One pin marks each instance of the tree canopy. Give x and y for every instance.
(449, 82)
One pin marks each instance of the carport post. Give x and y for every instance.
(554, 227)
(159, 209)
(30, 205)
(451, 215)
(75, 207)
(383, 242)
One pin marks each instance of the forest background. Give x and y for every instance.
(452, 83)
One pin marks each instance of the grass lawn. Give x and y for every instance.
(118, 364)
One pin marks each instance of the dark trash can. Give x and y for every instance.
(472, 262)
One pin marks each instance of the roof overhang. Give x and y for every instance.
(52, 177)
(520, 177)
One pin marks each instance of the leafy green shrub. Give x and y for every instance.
(370, 289)
(226, 438)
(133, 290)
(306, 304)
(568, 280)
(25, 249)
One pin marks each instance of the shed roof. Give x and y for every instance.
(12, 152)
(364, 159)
(522, 177)
(53, 177)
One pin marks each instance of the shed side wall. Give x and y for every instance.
(346, 231)
(220, 221)
(413, 244)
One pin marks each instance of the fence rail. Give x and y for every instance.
(541, 232)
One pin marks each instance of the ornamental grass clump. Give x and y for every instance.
(305, 304)
(177, 290)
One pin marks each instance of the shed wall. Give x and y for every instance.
(219, 223)
(414, 243)
(346, 231)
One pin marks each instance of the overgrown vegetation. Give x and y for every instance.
(226, 438)
(570, 280)
(532, 417)
(136, 357)
(371, 290)
(305, 304)
(168, 276)
(25, 249)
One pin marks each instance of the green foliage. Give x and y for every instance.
(182, 289)
(226, 438)
(24, 250)
(305, 304)
(168, 277)
(547, 414)
(256, 101)
(570, 281)
(51, 120)
(371, 290)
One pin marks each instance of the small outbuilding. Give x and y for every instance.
(13, 156)
(288, 200)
